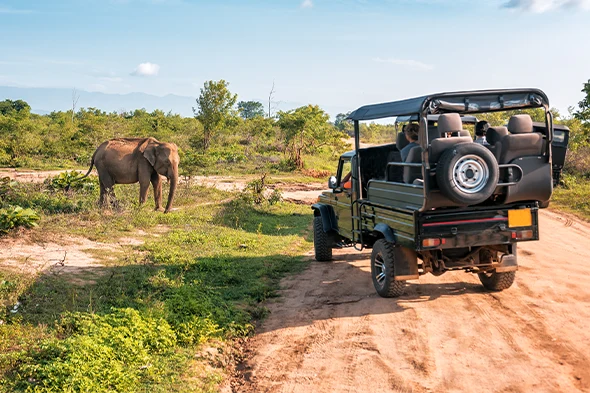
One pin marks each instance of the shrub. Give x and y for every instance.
(72, 180)
(257, 192)
(114, 352)
(15, 216)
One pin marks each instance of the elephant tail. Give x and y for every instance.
(89, 170)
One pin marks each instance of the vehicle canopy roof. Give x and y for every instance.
(434, 118)
(462, 102)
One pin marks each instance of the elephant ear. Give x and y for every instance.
(149, 151)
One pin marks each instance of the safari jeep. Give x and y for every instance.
(453, 204)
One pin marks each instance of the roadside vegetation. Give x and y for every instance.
(136, 321)
(164, 312)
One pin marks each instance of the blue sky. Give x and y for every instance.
(338, 53)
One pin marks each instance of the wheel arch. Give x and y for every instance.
(328, 216)
(384, 231)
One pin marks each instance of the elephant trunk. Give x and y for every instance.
(173, 177)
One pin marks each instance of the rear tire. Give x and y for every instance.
(497, 281)
(321, 241)
(382, 270)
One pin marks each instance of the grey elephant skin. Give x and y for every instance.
(132, 160)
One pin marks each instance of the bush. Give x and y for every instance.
(15, 216)
(72, 180)
(114, 352)
(257, 192)
(577, 162)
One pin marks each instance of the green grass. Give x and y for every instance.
(573, 196)
(136, 323)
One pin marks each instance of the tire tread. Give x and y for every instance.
(321, 241)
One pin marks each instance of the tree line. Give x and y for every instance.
(222, 131)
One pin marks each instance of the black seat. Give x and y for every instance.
(494, 137)
(447, 122)
(411, 174)
(521, 140)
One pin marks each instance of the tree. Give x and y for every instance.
(8, 107)
(306, 130)
(340, 122)
(250, 109)
(583, 113)
(215, 108)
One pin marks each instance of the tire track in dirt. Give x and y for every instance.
(331, 333)
(532, 326)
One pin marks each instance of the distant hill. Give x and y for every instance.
(46, 100)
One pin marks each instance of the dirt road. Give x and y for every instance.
(330, 332)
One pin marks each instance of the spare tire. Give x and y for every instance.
(467, 173)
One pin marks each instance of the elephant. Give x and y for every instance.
(132, 160)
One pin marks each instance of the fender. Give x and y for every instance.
(328, 217)
(386, 231)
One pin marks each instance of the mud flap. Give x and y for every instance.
(405, 264)
(508, 263)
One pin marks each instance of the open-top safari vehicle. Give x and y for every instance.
(453, 204)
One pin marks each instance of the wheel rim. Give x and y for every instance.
(380, 272)
(471, 174)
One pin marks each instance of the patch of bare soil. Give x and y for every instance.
(330, 332)
(26, 176)
(75, 256)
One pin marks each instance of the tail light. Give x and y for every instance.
(433, 242)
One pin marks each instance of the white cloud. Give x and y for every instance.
(540, 6)
(146, 69)
(414, 64)
(307, 4)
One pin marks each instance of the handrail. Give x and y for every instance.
(410, 164)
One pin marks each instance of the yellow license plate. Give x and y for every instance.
(520, 218)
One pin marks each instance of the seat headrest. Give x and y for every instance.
(494, 134)
(520, 124)
(464, 133)
(401, 140)
(449, 122)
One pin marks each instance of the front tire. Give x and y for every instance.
(321, 241)
(382, 270)
(497, 281)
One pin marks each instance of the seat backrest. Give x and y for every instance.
(438, 146)
(465, 133)
(411, 174)
(520, 124)
(521, 141)
(449, 122)
(494, 137)
(520, 145)
(401, 141)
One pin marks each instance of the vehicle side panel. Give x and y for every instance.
(401, 223)
(397, 195)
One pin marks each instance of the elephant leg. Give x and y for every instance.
(157, 184)
(106, 188)
(144, 175)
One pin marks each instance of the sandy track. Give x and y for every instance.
(330, 332)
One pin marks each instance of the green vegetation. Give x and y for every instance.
(221, 138)
(135, 322)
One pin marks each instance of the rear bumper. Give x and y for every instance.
(478, 227)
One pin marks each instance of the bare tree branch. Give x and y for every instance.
(270, 97)
(75, 98)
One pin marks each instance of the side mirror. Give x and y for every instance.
(332, 183)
